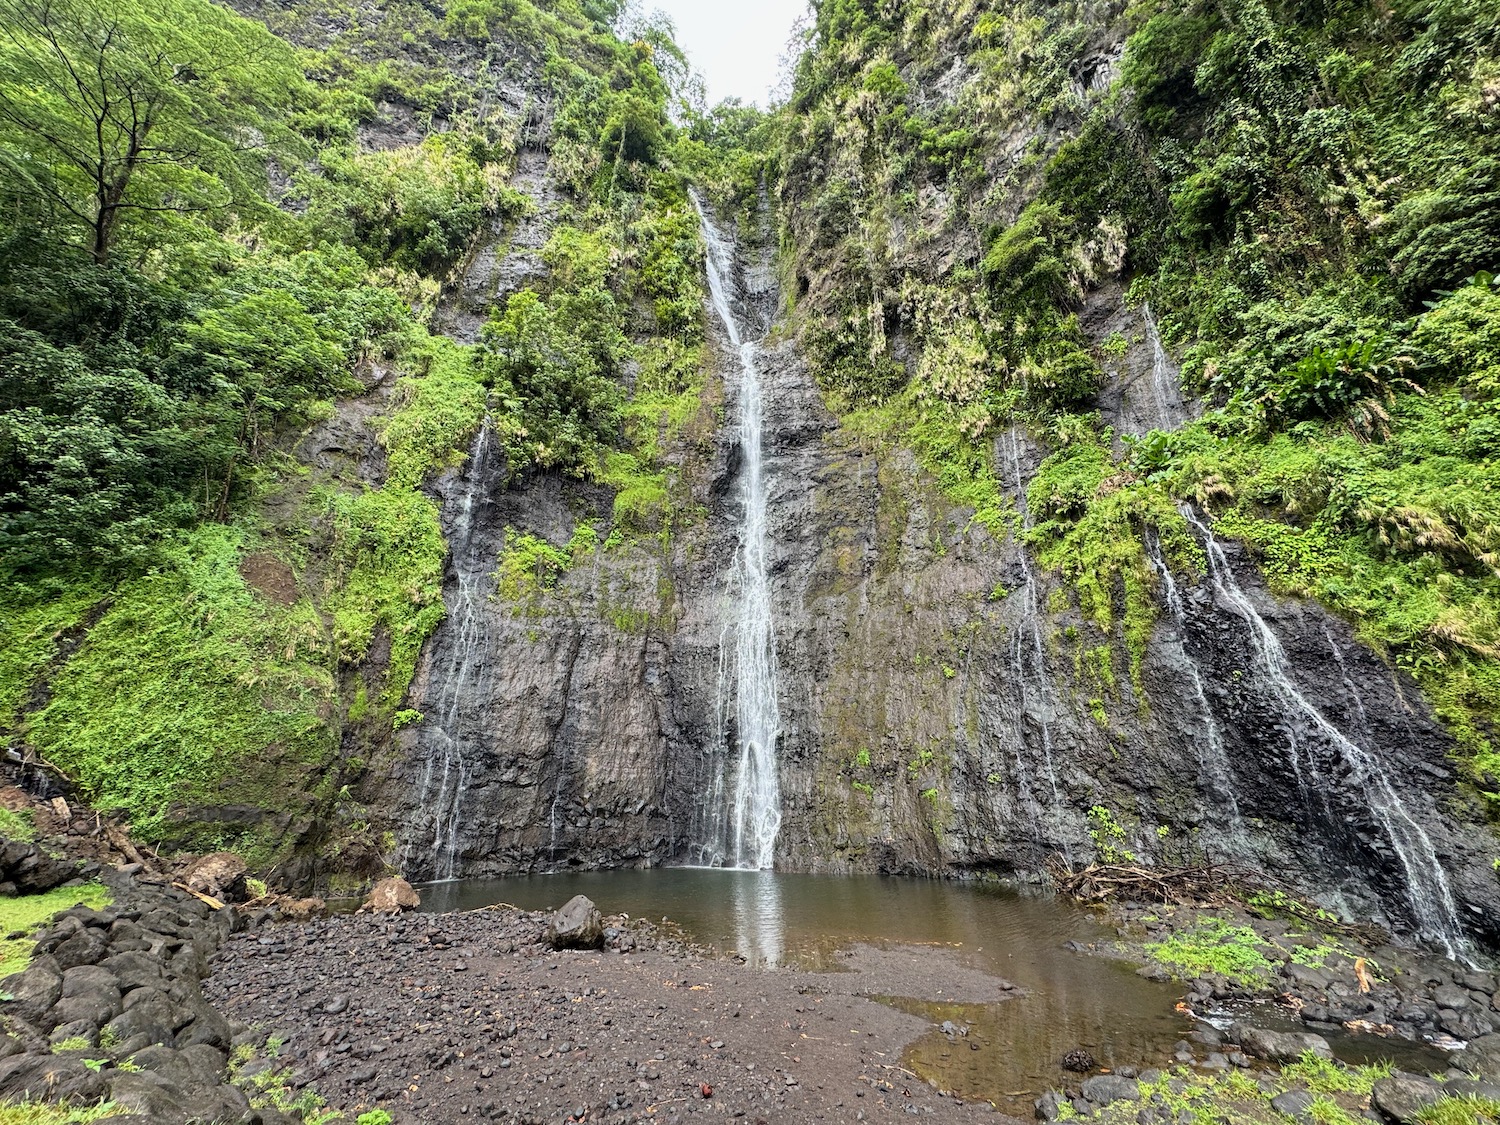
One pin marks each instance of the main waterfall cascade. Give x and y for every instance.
(448, 766)
(742, 808)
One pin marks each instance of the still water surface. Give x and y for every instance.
(1071, 1000)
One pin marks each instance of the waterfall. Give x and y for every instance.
(1425, 883)
(744, 807)
(1166, 408)
(1213, 757)
(449, 758)
(1029, 664)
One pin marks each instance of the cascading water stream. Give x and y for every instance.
(448, 765)
(1165, 404)
(745, 807)
(1213, 758)
(1028, 657)
(1426, 885)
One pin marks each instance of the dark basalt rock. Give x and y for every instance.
(1401, 1096)
(1279, 1046)
(145, 1005)
(577, 925)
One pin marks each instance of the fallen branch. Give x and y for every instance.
(1213, 884)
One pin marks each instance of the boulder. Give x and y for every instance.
(1293, 1103)
(391, 896)
(1106, 1089)
(33, 991)
(305, 909)
(578, 925)
(1400, 1097)
(1279, 1046)
(219, 875)
(1481, 1057)
(1049, 1106)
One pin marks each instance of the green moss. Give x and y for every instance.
(438, 412)
(530, 567)
(1214, 947)
(22, 916)
(388, 554)
(192, 689)
(1092, 517)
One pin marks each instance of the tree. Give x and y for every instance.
(112, 108)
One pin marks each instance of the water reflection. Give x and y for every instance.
(759, 928)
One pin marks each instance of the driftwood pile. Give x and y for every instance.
(1211, 884)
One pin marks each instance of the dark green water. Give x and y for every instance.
(1071, 1000)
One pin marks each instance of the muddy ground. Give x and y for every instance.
(460, 1017)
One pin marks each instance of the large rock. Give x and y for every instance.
(578, 925)
(1293, 1103)
(1401, 1096)
(1279, 1046)
(1106, 1089)
(220, 875)
(391, 896)
(33, 991)
(1482, 1057)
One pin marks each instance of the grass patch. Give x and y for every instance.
(17, 825)
(31, 623)
(1215, 948)
(1324, 1076)
(44, 1113)
(1469, 1109)
(27, 914)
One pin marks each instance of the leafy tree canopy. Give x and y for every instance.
(113, 110)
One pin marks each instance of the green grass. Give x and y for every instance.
(17, 825)
(1324, 1076)
(46, 1113)
(31, 621)
(1215, 948)
(26, 914)
(1469, 1109)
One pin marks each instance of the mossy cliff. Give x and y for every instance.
(1129, 409)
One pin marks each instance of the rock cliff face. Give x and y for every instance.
(939, 716)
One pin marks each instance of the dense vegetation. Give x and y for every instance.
(1308, 194)
(213, 230)
(219, 230)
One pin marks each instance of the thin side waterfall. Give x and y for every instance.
(1028, 656)
(1213, 758)
(1167, 408)
(744, 810)
(446, 770)
(1349, 684)
(1425, 883)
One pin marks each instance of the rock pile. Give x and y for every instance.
(112, 1006)
(26, 869)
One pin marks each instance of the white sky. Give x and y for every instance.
(734, 44)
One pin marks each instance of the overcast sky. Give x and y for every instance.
(734, 44)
